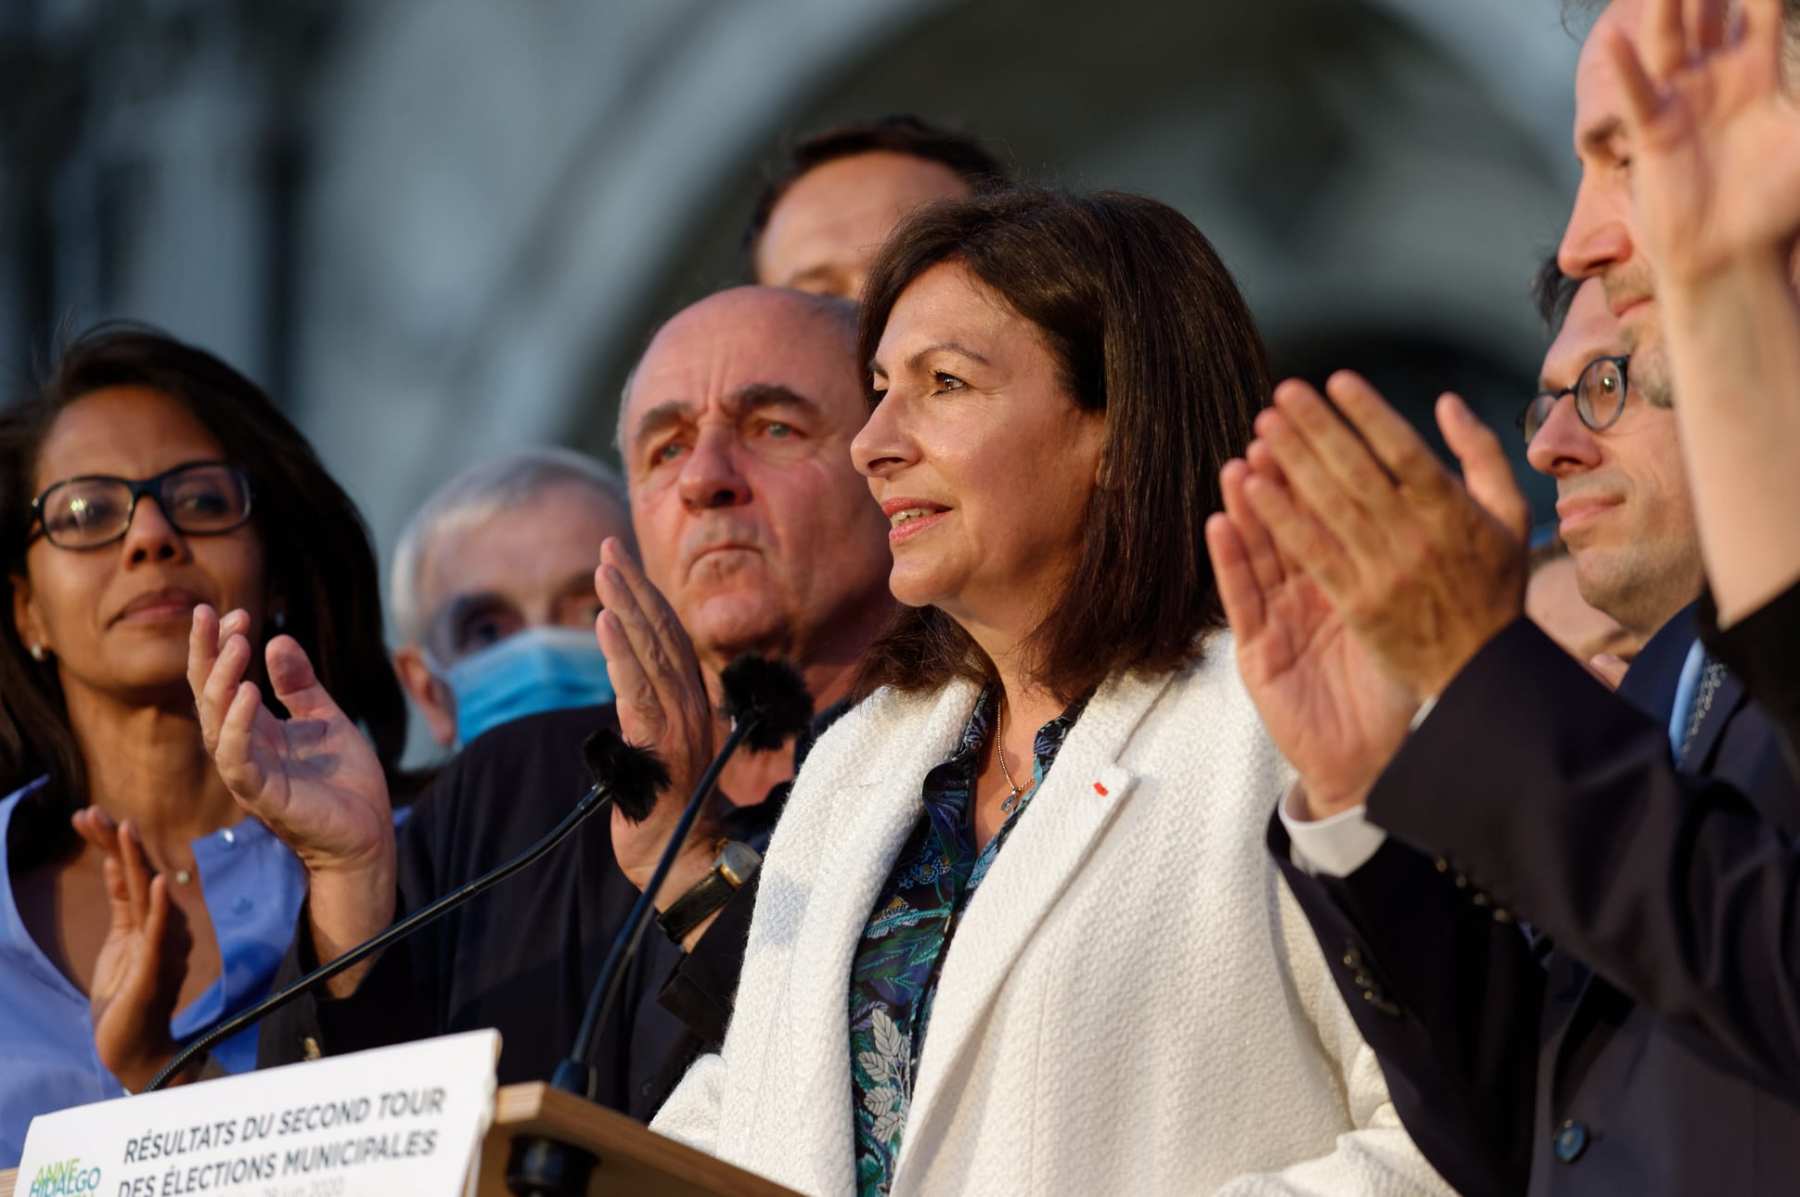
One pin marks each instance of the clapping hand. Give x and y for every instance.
(1715, 141)
(662, 704)
(1421, 570)
(312, 778)
(143, 962)
(1330, 709)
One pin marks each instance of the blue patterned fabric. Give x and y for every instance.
(894, 976)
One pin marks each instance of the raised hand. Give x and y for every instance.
(662, 704)
(313, 778)
(1421, 569)
(143, 962)
(1330, 709)
(1715, 141)
(1716, 187)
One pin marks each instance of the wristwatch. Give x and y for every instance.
(737, 863)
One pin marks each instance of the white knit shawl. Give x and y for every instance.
(1132, 1003)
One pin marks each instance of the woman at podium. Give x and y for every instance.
(1017, 930)
(146, 476)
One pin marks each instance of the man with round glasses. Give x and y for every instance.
(1604, 428)
(1529, 928)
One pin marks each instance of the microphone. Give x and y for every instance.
(767, 703)
(622, 774)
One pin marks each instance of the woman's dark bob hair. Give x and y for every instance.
(1149, 328)
(321, 567)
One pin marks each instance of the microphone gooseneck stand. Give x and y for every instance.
(767, 704)
(602, 748)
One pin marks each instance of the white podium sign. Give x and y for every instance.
(406, 1119)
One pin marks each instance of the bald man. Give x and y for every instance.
(735, 431)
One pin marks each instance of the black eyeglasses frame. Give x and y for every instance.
(1620, 360)
(139, 488)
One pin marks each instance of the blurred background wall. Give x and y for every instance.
(436, 229)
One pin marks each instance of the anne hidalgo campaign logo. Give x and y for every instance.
(65, 1178)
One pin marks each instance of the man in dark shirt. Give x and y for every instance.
(752, 521)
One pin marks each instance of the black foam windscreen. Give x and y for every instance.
(769, 698)
(628, 774)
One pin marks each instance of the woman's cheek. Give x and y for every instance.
(237, 568)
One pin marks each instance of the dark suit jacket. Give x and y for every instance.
(1763, 649)
(523, 956)
(1583, 974)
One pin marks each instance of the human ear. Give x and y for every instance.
(432, 697)
(1103, 467)
(26, 620)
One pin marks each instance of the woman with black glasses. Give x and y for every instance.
(140, 904)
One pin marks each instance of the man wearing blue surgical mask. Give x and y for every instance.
(493, 592)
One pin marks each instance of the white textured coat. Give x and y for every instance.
(1132, 1004)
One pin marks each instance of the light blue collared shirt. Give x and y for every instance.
(253, 886)
(1684, 697)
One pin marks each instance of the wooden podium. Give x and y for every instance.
(633, 1161)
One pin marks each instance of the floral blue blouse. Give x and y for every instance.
(894, 976)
